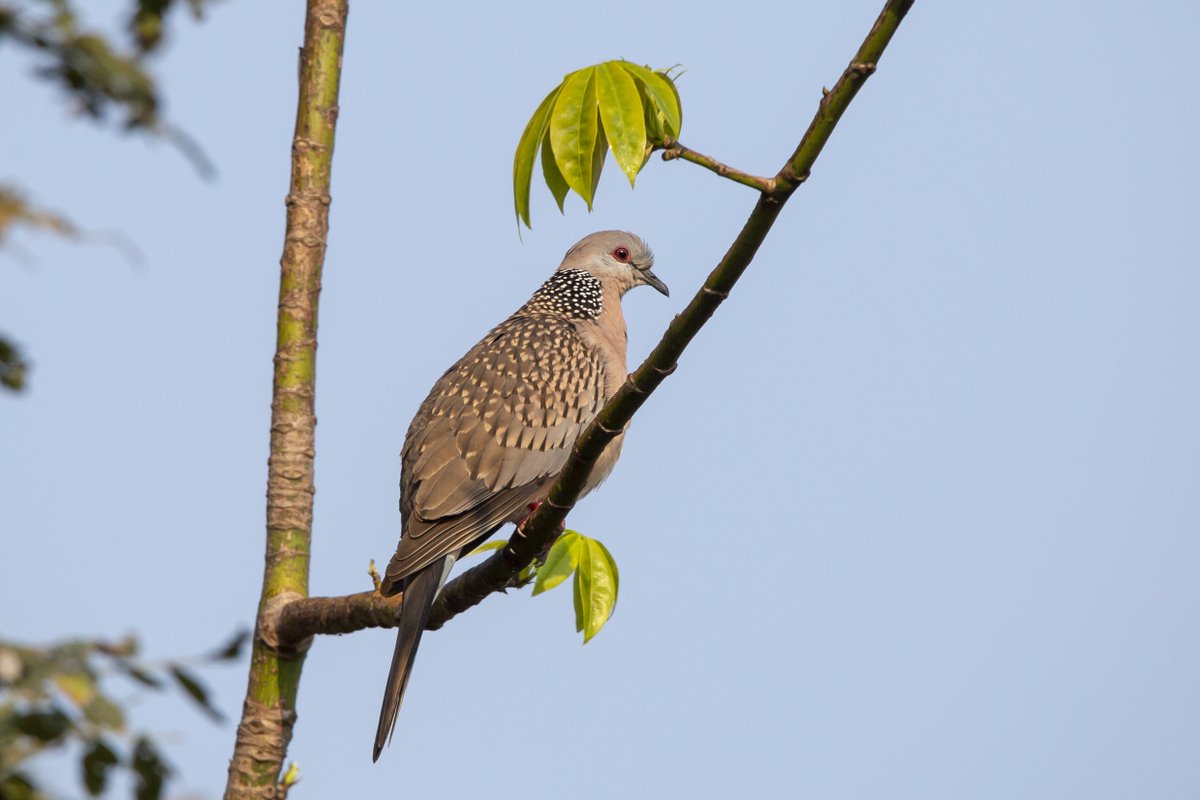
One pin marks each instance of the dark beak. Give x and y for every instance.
(650, 279)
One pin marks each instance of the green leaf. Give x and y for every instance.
(105, 713)
(554, 177)
(17, 786)
(573, 125)
(196, 690)
(78, 686)
(662, 93)
(560, 562)
(150, 769)
(96, 763)
(596, 584)
(598, 155)
(140, 675)
(291, 776)
(231, 649)
(579, 599)
(526, 150)
(622, 115)
(45, 726)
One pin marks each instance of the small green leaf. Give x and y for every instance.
(140, 675)
(78, 686)
(45, 726)
(231, 649)
(526, 151)
(662, 93)
(577, 594)
(17, 786)
(560, 562)
(622, 115)
(105, 713)
(196, 690)
(599, 153)
(291, 776)
(596, 584)
(96, 763)
(573, 131)
(554, 178)
(487, 547)
(150, 769)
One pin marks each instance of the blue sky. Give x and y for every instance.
(916, 517)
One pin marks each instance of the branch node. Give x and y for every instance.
(606, 429)
(548, 501)
(715, 293)
(864, 68)
(633, 387)
(268, 625)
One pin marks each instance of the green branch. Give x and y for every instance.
(674, 150)
(269, 711)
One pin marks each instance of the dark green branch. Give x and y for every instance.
(497, 571)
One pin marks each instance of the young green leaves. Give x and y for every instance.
(617, 104)
(596, 579)
(595, 571)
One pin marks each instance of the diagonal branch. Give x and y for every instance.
(302, 618)
(495, 573)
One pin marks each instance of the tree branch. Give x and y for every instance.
(674, 150)
(304, 618)
(530, 538)
(269, 714)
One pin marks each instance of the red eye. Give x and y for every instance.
(621, 254)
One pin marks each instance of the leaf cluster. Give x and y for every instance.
(56, 696)
(596, 577)
(617, 105)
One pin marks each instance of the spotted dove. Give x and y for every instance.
(498, 426)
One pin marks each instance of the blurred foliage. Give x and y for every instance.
(616, 105)
(12, 366)
(14, 210)
(596, 577)
(56, 698)
(103, 78)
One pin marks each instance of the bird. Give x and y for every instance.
(496, 429)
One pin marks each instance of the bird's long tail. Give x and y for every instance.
(419, 594)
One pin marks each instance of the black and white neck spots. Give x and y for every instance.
(574, 293)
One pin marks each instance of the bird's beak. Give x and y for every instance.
(650, 279)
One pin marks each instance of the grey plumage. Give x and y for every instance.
(498, 427)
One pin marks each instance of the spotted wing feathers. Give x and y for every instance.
(496, 428)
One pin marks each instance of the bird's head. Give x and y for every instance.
(617, 258)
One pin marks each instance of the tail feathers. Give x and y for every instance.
(419, 594)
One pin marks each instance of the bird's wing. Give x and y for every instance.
(496, 428)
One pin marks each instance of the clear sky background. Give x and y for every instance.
(917, 517)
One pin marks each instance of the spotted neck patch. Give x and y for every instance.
(574, 293)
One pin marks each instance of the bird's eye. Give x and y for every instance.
(621, 254)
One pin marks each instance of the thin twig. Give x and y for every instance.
(674, 150)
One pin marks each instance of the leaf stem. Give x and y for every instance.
(673, 150)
